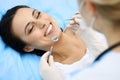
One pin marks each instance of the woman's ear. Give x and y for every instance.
(28, 49)
(91, 6)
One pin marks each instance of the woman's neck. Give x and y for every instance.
(68, 49)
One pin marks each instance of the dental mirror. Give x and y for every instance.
(54, 39)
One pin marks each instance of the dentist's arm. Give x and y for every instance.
(48, 70)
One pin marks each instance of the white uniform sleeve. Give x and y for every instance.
(106, 69)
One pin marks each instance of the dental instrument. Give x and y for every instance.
(54, 39)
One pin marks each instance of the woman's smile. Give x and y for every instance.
(50, 29)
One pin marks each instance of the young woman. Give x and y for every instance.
(26, 29)
(105, 17)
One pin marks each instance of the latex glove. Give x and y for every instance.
(48, 70)
(74, 22)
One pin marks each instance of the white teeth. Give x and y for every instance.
(49, 29)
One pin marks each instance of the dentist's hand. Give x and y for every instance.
(48, 70)
(74, 22)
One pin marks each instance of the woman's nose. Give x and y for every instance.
(40, 24)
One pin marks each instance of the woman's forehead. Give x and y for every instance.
(20, 19)
(24, 11)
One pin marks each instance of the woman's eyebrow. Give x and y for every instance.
(33, 12)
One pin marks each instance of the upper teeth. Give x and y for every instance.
(49, 29)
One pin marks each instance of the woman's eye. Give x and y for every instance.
(30, 29)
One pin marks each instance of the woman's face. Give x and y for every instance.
(35, 28)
